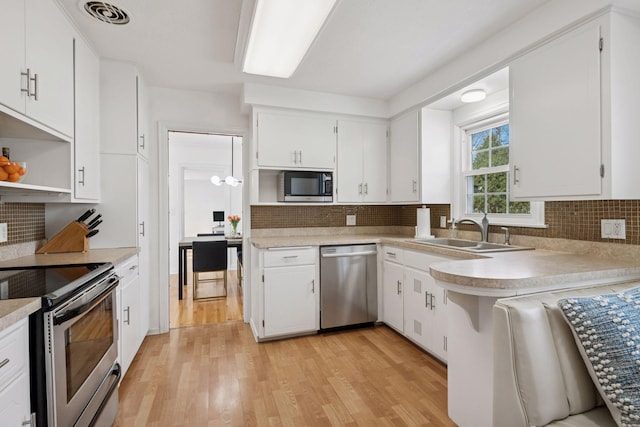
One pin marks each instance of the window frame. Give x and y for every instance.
(535, 219)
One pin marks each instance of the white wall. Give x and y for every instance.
(178, 110)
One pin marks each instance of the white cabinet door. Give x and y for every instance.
(12, 52)
(403, 159)
(118, 108)
(14, 374)
(555, 117)
(87, 128)
(291, 140)
(289, 300)
(129, 322)
(374, 162)
(418, 319)
(141, 110)
(392, 295)
(143, 241)
(49, 48)
(436, 133)
(349, 162)
(436, 306)
(362, 161)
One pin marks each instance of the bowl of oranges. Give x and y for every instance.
(12, 171)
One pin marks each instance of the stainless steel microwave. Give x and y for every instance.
(305, 186)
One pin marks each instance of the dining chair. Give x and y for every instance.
(209, 257)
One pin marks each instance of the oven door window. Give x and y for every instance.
(86, 342)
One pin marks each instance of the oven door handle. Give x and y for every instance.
(69, 314)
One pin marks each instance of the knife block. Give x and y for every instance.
(72, 238)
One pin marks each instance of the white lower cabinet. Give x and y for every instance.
(392, 299)
(413, 303)
(15, 406)
(130, 316)
(290, 291)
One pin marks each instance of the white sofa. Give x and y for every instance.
(540, 378)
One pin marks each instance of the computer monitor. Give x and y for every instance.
(218, 216)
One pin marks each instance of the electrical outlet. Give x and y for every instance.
(613, 229)
(351, 220)
(3, 232)
(443, 221)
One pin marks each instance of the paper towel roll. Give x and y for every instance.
(423, 229)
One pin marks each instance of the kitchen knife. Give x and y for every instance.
(97, 217)
(94, 224)
(86, 215)
(92, 233)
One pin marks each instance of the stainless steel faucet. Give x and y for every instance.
(484, 226)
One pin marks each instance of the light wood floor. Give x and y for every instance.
(216, 374)
(187, 312)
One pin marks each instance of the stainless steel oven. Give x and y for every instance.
(73, 343)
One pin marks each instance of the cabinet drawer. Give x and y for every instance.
(276, 257)
(14, 352)
(128, 270)
(392, 254)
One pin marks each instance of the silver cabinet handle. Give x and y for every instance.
(431, 302)
(27, 90)
(4, 363)
(366, 189)
(290, 257)
(300, 156)
(515, 175)
(142, 141)
(31, 421)
(415, 185)
(142, 228)
(426, 299)
(133, 267)
(360, 189)
(81, 180)
(295, 157)
(391, 254)
(34, 79)
(128, 318)
(399, 287)
(313, 286)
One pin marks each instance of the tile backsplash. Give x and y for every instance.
(25, 222)
(574, 220)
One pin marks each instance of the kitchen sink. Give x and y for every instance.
(469, 245)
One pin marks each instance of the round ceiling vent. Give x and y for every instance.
(106, 12)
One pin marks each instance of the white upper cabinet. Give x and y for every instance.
(435, 177)
(141, 111)
(36, 72)
(295, 140)
(13, 55)
(362, 161)
(573, 108)
(87, 128)
(404, 158)
(119, 108)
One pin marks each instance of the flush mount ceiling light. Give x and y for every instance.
(281, 33)
(473, 95)
(106, 12)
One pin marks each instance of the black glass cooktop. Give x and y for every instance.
(52, 283)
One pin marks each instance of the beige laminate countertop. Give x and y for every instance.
(497, 274)
(14, 310)
(112, 255)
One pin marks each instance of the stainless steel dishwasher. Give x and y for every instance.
(348, 285)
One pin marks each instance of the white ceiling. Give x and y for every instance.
(367, 48)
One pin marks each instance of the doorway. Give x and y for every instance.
(197, 162)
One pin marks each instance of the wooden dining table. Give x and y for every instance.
(187, 244)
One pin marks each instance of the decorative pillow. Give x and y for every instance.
(607, 331)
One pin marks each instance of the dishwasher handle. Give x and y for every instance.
(349, 254)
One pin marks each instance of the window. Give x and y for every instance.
(486, 176)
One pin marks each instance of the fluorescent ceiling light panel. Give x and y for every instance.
(281, 33)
